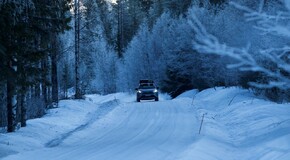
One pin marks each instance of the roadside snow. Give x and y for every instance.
(56, 125)
(237, 126)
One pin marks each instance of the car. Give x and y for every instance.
(147, 90)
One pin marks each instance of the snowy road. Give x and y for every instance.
(236, 126)
(146, 130)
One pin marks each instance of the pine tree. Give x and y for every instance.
(10, 13)
(25, 33)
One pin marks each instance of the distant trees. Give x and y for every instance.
(97, 58)
(146, 54)
(181, 65)
(130, 14)
(165, 54)
(136, 63)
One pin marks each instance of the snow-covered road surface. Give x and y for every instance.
(237, 126)
(146, 130)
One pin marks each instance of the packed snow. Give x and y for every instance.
(236, 125)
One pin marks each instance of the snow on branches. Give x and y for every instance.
(278, 73)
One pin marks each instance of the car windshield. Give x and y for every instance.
(146, 86)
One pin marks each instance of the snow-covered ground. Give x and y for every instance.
(236, 125)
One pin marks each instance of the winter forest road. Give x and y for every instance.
(131, 131)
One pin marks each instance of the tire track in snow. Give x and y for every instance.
(96, 115)
(158, 127)
(110, 137)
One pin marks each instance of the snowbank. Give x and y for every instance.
(238, 125)
(57, 124)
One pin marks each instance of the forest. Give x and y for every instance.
(59, 49)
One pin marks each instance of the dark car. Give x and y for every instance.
(147, 90)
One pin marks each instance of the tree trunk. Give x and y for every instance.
(65, 81)
(78, 94)
(120, 38)
(54, 80)
(11, 107)
(44, 81)
(11, 99)
(23, 109)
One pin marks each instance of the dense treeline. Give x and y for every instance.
(170, 51)
(128, 40)
(28, 37)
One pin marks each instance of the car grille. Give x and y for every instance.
(147, 92)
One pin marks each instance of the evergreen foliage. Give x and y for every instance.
(26, 38)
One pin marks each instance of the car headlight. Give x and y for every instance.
(139, 91)
(155, 91)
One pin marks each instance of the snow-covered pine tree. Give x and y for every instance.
(97, 57)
